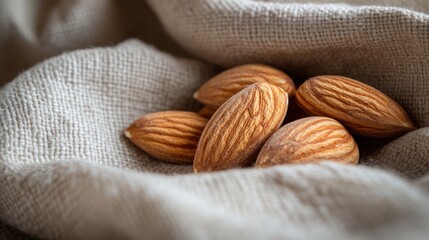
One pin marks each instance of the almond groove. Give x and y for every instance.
(224, 85)
(170, 136)
(362, 108)
(236, 132)
(309, 140)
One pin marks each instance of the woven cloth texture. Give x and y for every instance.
(75, 74)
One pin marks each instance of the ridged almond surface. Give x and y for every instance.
(170, 136)
(309, 140)
(239, 128)
(362, 108)
(221, 87)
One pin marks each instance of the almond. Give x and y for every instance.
(207, 112)
(362, 108)
(221, 87)
(239, 128)
(170, 136)
(309, 140)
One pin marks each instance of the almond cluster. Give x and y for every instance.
(241, 122)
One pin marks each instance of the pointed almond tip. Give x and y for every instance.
(410, 125)
(128, 134)
(196, 95)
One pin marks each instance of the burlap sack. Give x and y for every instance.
(67, 172)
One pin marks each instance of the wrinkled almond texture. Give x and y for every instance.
(362, 108)
(221, 87)
(170, 136)
(309, 140)
(238, 129)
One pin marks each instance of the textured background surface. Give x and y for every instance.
(67, 172)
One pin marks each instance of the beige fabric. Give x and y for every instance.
(67, 172)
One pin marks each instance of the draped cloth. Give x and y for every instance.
(75, 74)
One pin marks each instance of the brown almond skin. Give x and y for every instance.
(309, 140)
(239, 128)
(170, 136)
(361, 108)
(207, 112)
(221, 87)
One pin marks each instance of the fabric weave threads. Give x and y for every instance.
(67, 171)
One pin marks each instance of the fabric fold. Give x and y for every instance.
(383, 46)
(78, 199)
